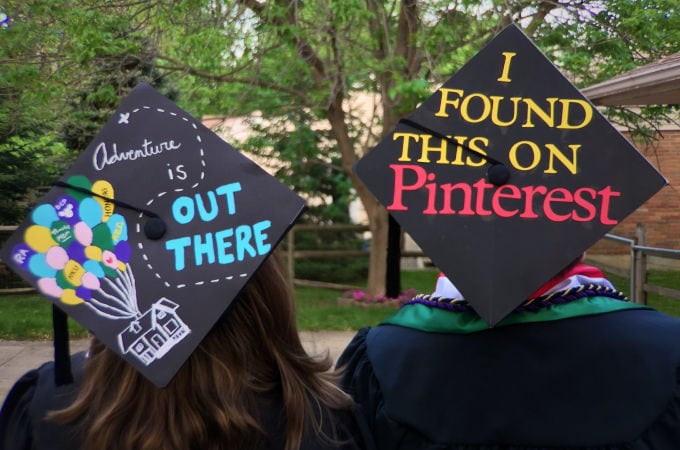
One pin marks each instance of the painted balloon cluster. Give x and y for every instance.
(76, 245)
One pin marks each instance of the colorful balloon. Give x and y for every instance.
(62, 233)
(67, 209)
(21, 254)
(44, 215)
(49, 287)
(39, 267)
(70, 297)
(56, 257)
(104, 188)
(39, 238)
(118, 228)
(74, 273)
(90, 281)
(90, 212)
(83, 233)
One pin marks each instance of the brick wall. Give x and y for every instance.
(660, 214)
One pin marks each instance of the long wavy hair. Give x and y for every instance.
(214, 402)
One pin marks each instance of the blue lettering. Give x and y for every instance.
(178, 245)
(206, 248)
(183, 210)
(243, 235)
(228, 191)
(223, 244)
(205, 215)
(260, 237)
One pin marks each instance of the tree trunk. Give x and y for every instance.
(377, 269)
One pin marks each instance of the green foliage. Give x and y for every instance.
(343, 270)
(350, 271)
(29, 164)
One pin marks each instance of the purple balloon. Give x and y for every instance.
(21, 253)
(67, 209)
(76, 251)
(84, 293)
(123, 251)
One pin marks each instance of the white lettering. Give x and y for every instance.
(103, 156)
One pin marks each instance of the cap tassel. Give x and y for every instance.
(497, 174)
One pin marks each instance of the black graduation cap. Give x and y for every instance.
(152, 233)
(506, 174)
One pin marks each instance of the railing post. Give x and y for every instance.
(639, 261)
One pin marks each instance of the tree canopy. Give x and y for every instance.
(338, 73)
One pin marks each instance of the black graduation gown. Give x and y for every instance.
(607, 381)
(22, 424)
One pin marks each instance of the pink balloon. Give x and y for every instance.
(90, 281)
(83, 233)
(48, 286)
(109, 258)
(56, 257)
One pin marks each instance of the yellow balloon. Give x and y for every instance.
(73, 272)
(39, 238)
(93, 253)
(121, 266)
(104, 188)
(70, 298)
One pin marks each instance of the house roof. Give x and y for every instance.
(657, 83)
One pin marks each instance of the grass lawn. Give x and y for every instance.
(28, 316)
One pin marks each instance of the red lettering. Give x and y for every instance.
(557, 195)
(585, 204)
(432, 197)
(529, 201)
(481, 186)
(606, 194)
(399, 186)
(556, 205)
(514, 194)
(467, 196)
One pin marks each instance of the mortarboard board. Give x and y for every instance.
(152, 233)
(506, 174)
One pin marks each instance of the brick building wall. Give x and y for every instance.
(660, 214)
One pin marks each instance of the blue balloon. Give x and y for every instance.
(44, 215)
(118, 227)
(94, 267)
(38, 266)
(90, 212)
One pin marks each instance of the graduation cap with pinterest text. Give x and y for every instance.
(152, 233)
(506, 174)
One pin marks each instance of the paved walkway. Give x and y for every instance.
(17, 357)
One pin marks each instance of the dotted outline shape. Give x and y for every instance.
(140, 245)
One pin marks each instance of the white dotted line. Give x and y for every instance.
(138, 228)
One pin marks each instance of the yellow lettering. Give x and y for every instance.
(587, 113)
(445, 100)
(504, 78)
(571, 165)
(405, 144)
(486, 105)
(426, 149)
(495, 106)
(547, 118)
(535, 153)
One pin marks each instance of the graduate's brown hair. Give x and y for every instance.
(213, 401)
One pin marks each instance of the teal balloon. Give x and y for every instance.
(118, 227)
(94, 267)
(38, 266)
(44, 215)
(90, 212)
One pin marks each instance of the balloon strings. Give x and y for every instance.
(146, 212)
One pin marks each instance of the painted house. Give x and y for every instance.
(153, 334)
